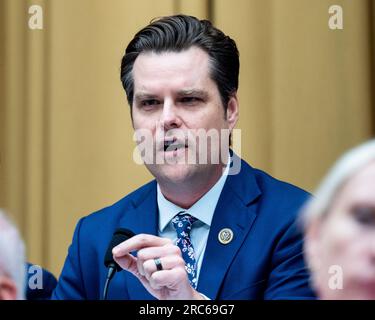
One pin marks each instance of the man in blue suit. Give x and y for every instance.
(214, 229)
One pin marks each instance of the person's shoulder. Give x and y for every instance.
(278, 187)
(111, 214)
(43, 290)
(280, 194)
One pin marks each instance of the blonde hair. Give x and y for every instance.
(350, 163)
(12, 254)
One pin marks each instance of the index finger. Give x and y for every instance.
(138, 242)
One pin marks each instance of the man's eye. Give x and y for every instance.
(364, 215)
(190, 100)
(150, 102)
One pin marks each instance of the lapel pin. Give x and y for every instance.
(225, 236)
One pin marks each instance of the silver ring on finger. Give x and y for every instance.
(158, 264)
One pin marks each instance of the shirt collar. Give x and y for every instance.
(202, 210)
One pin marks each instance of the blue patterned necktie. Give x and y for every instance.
(182, 222)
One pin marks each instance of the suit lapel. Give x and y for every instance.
(143, 218)
(233, 211)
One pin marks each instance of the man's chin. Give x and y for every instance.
(173, 173)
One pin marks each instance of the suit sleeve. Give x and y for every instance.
(70, 285)
(289, 278)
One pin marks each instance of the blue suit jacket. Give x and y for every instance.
(263, 261)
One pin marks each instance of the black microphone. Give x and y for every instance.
(120, 235)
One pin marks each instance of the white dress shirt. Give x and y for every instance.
(202, 210)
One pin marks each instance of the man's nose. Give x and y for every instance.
(170, 118)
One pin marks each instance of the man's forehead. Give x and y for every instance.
(186, 70)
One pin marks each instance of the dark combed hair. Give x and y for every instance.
(178, 33)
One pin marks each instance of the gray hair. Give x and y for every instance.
(345, 168)
(12, 254)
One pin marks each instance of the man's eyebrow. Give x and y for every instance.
(191, 92)
(142, 95)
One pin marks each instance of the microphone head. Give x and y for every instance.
(120, 235)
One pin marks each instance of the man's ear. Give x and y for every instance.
(8, 289)
(232, 111)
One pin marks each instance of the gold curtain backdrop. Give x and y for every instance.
(306, 95)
